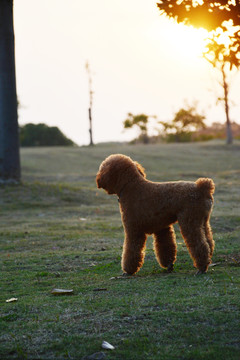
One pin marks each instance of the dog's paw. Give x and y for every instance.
(170, 268)
(126, 274)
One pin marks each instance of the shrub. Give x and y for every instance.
(42, 135)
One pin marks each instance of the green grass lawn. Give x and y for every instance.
(57, 230)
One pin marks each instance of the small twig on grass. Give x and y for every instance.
(100, 289)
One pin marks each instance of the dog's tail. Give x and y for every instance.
(206, 186)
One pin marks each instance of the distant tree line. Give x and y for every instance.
(215, 131)
(186, 125)
(42, 135)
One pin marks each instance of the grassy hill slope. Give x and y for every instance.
(59, 231)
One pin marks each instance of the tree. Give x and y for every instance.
(141, 121)
(223, 57)
(9, 137)
(183, 124)
(90, 102)
(222, 18)
(209, 14)
(42, 135)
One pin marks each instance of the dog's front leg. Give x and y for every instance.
(165, 247)
(133, 251)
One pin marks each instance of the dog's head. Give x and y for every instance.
(117, 170)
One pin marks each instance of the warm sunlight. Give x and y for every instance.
(224, 37)
(141, 62)
(188, 41)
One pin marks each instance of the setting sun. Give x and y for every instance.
(189, 40)
(186, 40)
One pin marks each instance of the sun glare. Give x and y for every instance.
(185, 40)
(189, 41)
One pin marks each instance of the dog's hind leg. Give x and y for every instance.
(193, 232)
(209, 237)
(165, 247)
(133, 252)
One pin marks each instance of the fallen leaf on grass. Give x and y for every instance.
(61, 292)
(11, 300)
(213, 264)
(107, 346)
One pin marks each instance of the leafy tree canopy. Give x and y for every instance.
(184, 122)
(141, 121)
(209, 14)
(220, 54)
(138, 120)
(188, 119)
(42, 135)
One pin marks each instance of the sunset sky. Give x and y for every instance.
(141, 62)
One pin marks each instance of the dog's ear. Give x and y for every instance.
(106, 179)
(140, 169)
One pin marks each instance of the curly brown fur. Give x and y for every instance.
(148, 207)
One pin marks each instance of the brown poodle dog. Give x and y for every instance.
(152, 208)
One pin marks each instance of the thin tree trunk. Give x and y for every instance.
(90, 126)
(9, 136)
(90, 103)
(229, 136)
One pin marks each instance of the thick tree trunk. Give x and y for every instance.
(229, 137)
(9, 136)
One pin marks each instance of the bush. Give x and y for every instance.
(179, 137)
(42, 135)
